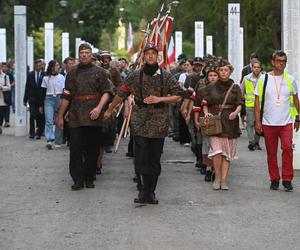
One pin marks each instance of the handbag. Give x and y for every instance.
(212, 125)
(6, 94)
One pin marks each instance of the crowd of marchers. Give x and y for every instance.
(83, 104)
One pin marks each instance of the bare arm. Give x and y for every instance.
(296, 103)
(164, 99)
(117, 100)
(258, 126)
(94, 114)
(60, 116)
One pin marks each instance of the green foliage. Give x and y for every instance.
(39, 43)
(261, 20)
(122, 53)
(96, 16)
(188, 48)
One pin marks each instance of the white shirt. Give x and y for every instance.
(5, 87)
(277, 115)
(54, 84)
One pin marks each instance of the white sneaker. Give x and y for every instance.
(57, 146)
(186, 144)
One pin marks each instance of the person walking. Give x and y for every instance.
(53, 84)
(276, 94)
(4, 87)
(33, 95)
(87, 91)
(248, 86)
(223, 147)
(153, 88)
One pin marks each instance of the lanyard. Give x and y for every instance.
(278, 90)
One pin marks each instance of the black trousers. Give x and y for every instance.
(36, 116)
(84, 150)
(184, 134)
(147, 155)
(3, 110)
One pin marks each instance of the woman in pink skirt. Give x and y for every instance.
(223, 147)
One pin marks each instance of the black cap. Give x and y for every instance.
(150, 46)
(198, 60)
(182, 57)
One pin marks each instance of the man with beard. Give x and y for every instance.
(153, 88)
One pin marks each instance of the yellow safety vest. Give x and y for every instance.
(293, 110)
(249, 95)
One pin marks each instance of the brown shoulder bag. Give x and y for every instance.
(212, 125)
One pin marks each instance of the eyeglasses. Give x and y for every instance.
(280, 61)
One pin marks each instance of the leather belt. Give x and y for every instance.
(86, 97)
(227, 106)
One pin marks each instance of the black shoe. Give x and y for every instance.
(129, 154)
(213, 177)
(38, 137)
(135, 179)
(141, 199)
(251, 147)
(89, 184)
(6, 125)
(0, 131)
(274, 185)
(175, 138)
(288, 186)
(77, 186)
(257, 147)
(108, 149)
(31, 137)
(152, 199)
(198, 165)
(203, 169)
(208, 175)
(98, 171)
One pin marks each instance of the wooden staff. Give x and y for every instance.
(120, 135)
(128, 122)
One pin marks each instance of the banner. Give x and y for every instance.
(171, 51)
(130, 39)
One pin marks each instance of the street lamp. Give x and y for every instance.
(75, 15)
(63, 3)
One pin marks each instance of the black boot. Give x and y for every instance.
(138, 181)
(153, 183)
(144, 191)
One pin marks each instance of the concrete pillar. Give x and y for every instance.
(209, 45)
(49, 41)
(30, 53)
(199, 39)
(65, 45)
(178, 43)
(234, 40)
(290, 45)
(21, 67)
(3, 51)
(78, 41)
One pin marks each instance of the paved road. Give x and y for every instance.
(38, 210)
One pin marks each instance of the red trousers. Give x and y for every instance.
(272, 134)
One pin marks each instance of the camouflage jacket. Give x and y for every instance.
(151, 121)
(85, 80)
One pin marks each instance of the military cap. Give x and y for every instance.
(198, 60)
(150, 46)
(182, 57)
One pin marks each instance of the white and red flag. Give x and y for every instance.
(171, 51)
(130, 39)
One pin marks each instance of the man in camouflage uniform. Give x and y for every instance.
(153, 88)
(87, 90)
